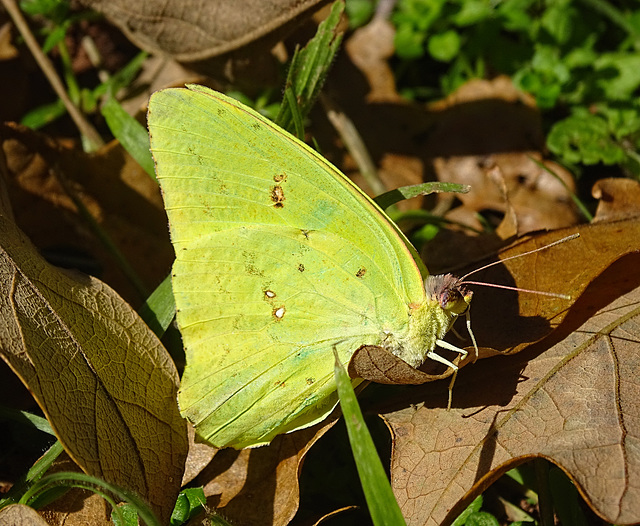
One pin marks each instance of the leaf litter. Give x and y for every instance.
(563, 397)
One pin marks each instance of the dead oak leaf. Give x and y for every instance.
(192, 30)
(570, 398)
(574, 404)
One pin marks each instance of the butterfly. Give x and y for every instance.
(280, 259)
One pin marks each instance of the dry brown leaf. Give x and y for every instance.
(570, 398)
(260, 486)
(198, 458)
(191, 30)
(102, 378)
(379, 365)
(121, 197)
(619, 199)
(78, 508)
(537, 198)
(369, 48)
(489, 125)
(20, 515)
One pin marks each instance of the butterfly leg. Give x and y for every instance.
(436, 357)
(449, 347)
(473, 338)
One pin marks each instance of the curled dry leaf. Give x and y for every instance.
(105, 382)
(260, 486)
(191, 30)
(571, 398)
(379, 365)
(619, 199)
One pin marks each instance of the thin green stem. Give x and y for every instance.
(102, 235)
(545, 504)
(613, 14)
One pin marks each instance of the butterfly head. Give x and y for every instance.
(449, 292)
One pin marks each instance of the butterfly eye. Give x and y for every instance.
(448, 292)
(455, 299)
(448, 298)
(451, 300)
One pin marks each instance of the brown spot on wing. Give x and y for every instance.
(277, 196)
(279, 178)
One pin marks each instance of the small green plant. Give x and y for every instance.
(580, 60)
(606, 134)
(56, 19)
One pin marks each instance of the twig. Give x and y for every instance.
(354, 144)
(85, 128)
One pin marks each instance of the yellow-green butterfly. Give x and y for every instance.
(279, 260)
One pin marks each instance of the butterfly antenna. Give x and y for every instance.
(540, 292)
(462, 280)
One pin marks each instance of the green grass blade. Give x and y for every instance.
(29, 419)
(160, 308)
(132, 135)
(382, 504)
(309, 68)
(392, 197)
(42, 115)
(80, 480)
